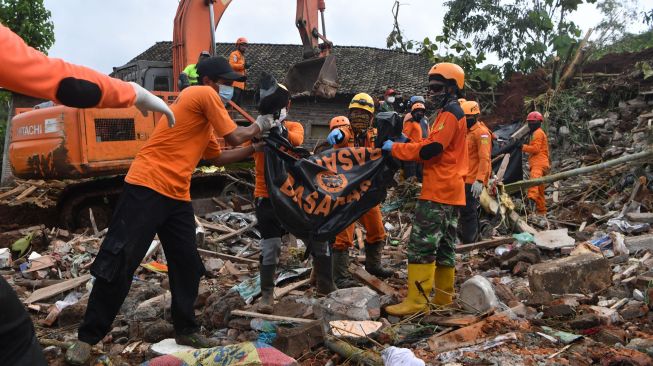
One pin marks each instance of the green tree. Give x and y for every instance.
(30, 20)
(523, 34)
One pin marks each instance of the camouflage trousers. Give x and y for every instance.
(433, 237)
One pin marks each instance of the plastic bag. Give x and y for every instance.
(395, 356)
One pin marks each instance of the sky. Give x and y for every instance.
(104, 34)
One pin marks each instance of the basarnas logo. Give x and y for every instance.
(330, 181)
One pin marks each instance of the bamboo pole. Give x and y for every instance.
(513, 187)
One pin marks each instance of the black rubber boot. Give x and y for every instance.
(341, 275)
(373, 253)
(323, 275)
(266, 304)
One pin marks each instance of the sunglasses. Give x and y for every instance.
(436, 88)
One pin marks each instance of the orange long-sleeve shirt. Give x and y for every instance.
(237, 62)
(479, 150)
(443, 174)
(537, 150)
(27, 71)
(295, 137)
(413, 129)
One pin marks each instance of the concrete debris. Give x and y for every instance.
(577, 274)
(554, 239)
(355, 303)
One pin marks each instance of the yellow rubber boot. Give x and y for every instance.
(415, 301)
(444, 280)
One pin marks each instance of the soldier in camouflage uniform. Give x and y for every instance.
(444, 155)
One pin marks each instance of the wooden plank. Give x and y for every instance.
(503, 167)
(484, 244)
(372, 281)
(452, 321)
(251, 314)
(14, 191)
(40, 263)
(25, 193)
(233, 258)
(215, 227)
(50, 291)
(280, 292)
(237, 232)
(229, 266)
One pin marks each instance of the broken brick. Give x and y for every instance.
(297, 341)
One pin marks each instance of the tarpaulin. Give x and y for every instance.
(316, 197)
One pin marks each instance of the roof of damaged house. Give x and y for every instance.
(360, 69)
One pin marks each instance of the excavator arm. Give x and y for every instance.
(194, 31)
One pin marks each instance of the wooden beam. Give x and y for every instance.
(18, 189)
(280, 292)
(26, 193)
(233, 258)
(484, 244)
(372, 281)
(50, 291)
(251, 314)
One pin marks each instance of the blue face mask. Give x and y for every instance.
(226, 92)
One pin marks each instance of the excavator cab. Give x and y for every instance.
(316, 76)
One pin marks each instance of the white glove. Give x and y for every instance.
(146, 101)
(265, 122)
(477, 188)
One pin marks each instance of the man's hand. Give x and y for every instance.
(387, 145)
(477, 188)
(146, 101)
(265, 122)
(335, 137)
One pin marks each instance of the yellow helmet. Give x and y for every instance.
(339, 121)
(362, 101)
(448, 71)
(471, 108)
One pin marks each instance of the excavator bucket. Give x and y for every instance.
(318, 76)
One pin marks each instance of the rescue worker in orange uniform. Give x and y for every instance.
(479, 150)
(27, 71)
(357, 131)
(444, 155)
(240, 65)
(272, 231)
(156, 201)
(416, 129)
(538, 159)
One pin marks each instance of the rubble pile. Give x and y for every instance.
(572, 288)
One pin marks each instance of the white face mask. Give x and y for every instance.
(390, 99)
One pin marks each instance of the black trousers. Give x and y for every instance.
(238, 96)
(468, 222)
(18, 343)
(140, 214)
(413, 169)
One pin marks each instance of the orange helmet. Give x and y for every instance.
(338, 121)
(241, 40)
(461, 100)
(471, 108)
(448, 71)
(535, 117)
(417, 105)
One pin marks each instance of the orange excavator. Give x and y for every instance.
(59, 142)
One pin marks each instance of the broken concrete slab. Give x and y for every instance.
(644, 345)
(646, 217)
(554, 239)
(354, 328)
(642, 242)
(583, 273)
(608, 316)
(355, 303)
(634, 310)
(595, 123)
(585, 321)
